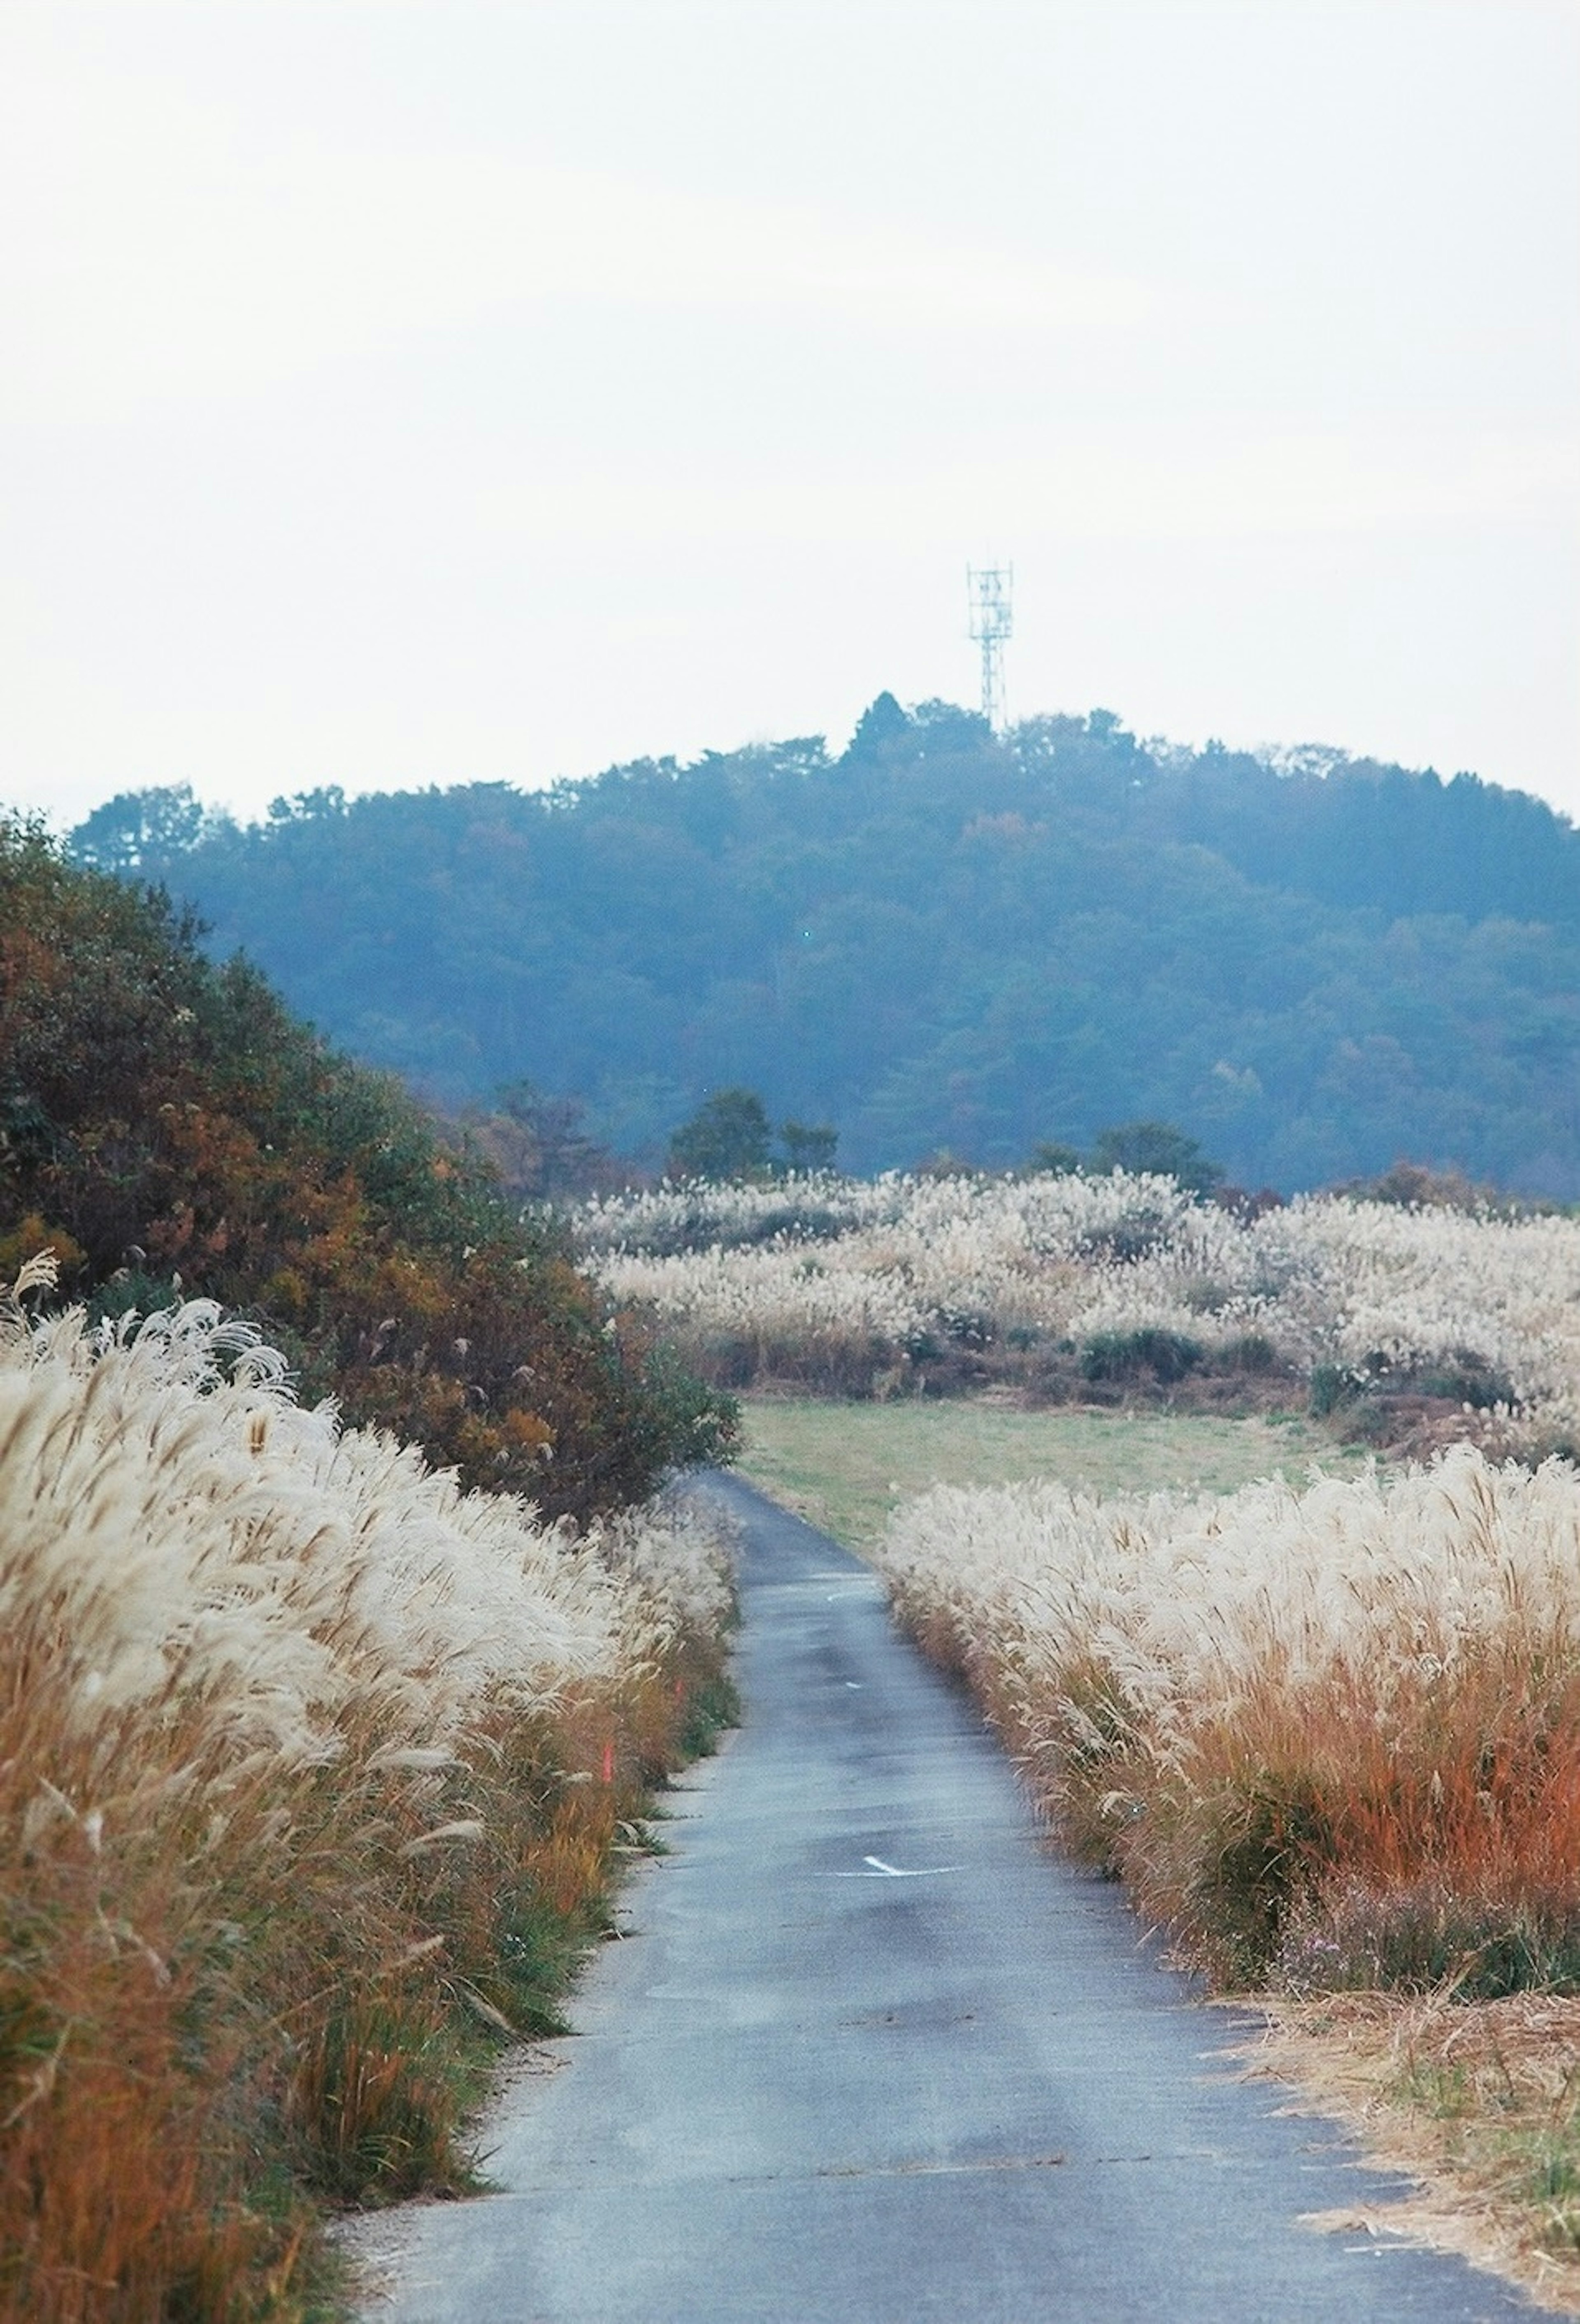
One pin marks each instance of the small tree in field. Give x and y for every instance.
(1158, 1146)
(808, 1145)
(728, 1137)
(1052, 1156)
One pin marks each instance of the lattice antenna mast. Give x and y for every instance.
(991, 591)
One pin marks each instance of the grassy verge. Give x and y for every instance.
(1331, 1743)
(1478, 2104)
(314, 1773)
(1477, 2100)
(846, 1467)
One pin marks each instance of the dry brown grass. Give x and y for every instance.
(312, 1772)
(1476, 2103)
(1331, 1741)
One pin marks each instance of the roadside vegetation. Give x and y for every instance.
(346, 1627)
(1474, 2101)
(314, 1771)
(167, 1130)
(1330, 1741)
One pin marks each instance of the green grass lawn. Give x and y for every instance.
(844, 1466)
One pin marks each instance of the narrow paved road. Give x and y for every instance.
(871, 2057)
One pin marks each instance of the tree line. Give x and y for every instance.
(939, 938)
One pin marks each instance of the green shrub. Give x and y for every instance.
(1263, 1868)
(1134, 1237)
(1469, 1378)
(1165, 1355)
(1425, 1937)
(1334, 1386)
(728, 1137)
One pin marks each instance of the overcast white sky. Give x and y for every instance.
(400, 391)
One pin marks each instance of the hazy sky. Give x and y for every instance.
(400, 391)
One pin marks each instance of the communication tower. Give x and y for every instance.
(990, 589)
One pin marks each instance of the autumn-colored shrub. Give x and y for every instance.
(166, 1127)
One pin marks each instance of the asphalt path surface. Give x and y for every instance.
(870, 2053)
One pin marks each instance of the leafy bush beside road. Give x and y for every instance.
(168, 1128)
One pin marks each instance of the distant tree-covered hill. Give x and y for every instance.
(941, 938)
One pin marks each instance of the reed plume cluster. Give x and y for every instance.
(831, 1279)
(311, 1767)
(1329, 1737)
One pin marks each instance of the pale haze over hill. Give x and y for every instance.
(459, 392)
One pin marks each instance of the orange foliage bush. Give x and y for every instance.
(168, 1128)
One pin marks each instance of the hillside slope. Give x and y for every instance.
(943, 938)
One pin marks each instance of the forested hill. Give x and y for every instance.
(942, 939)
